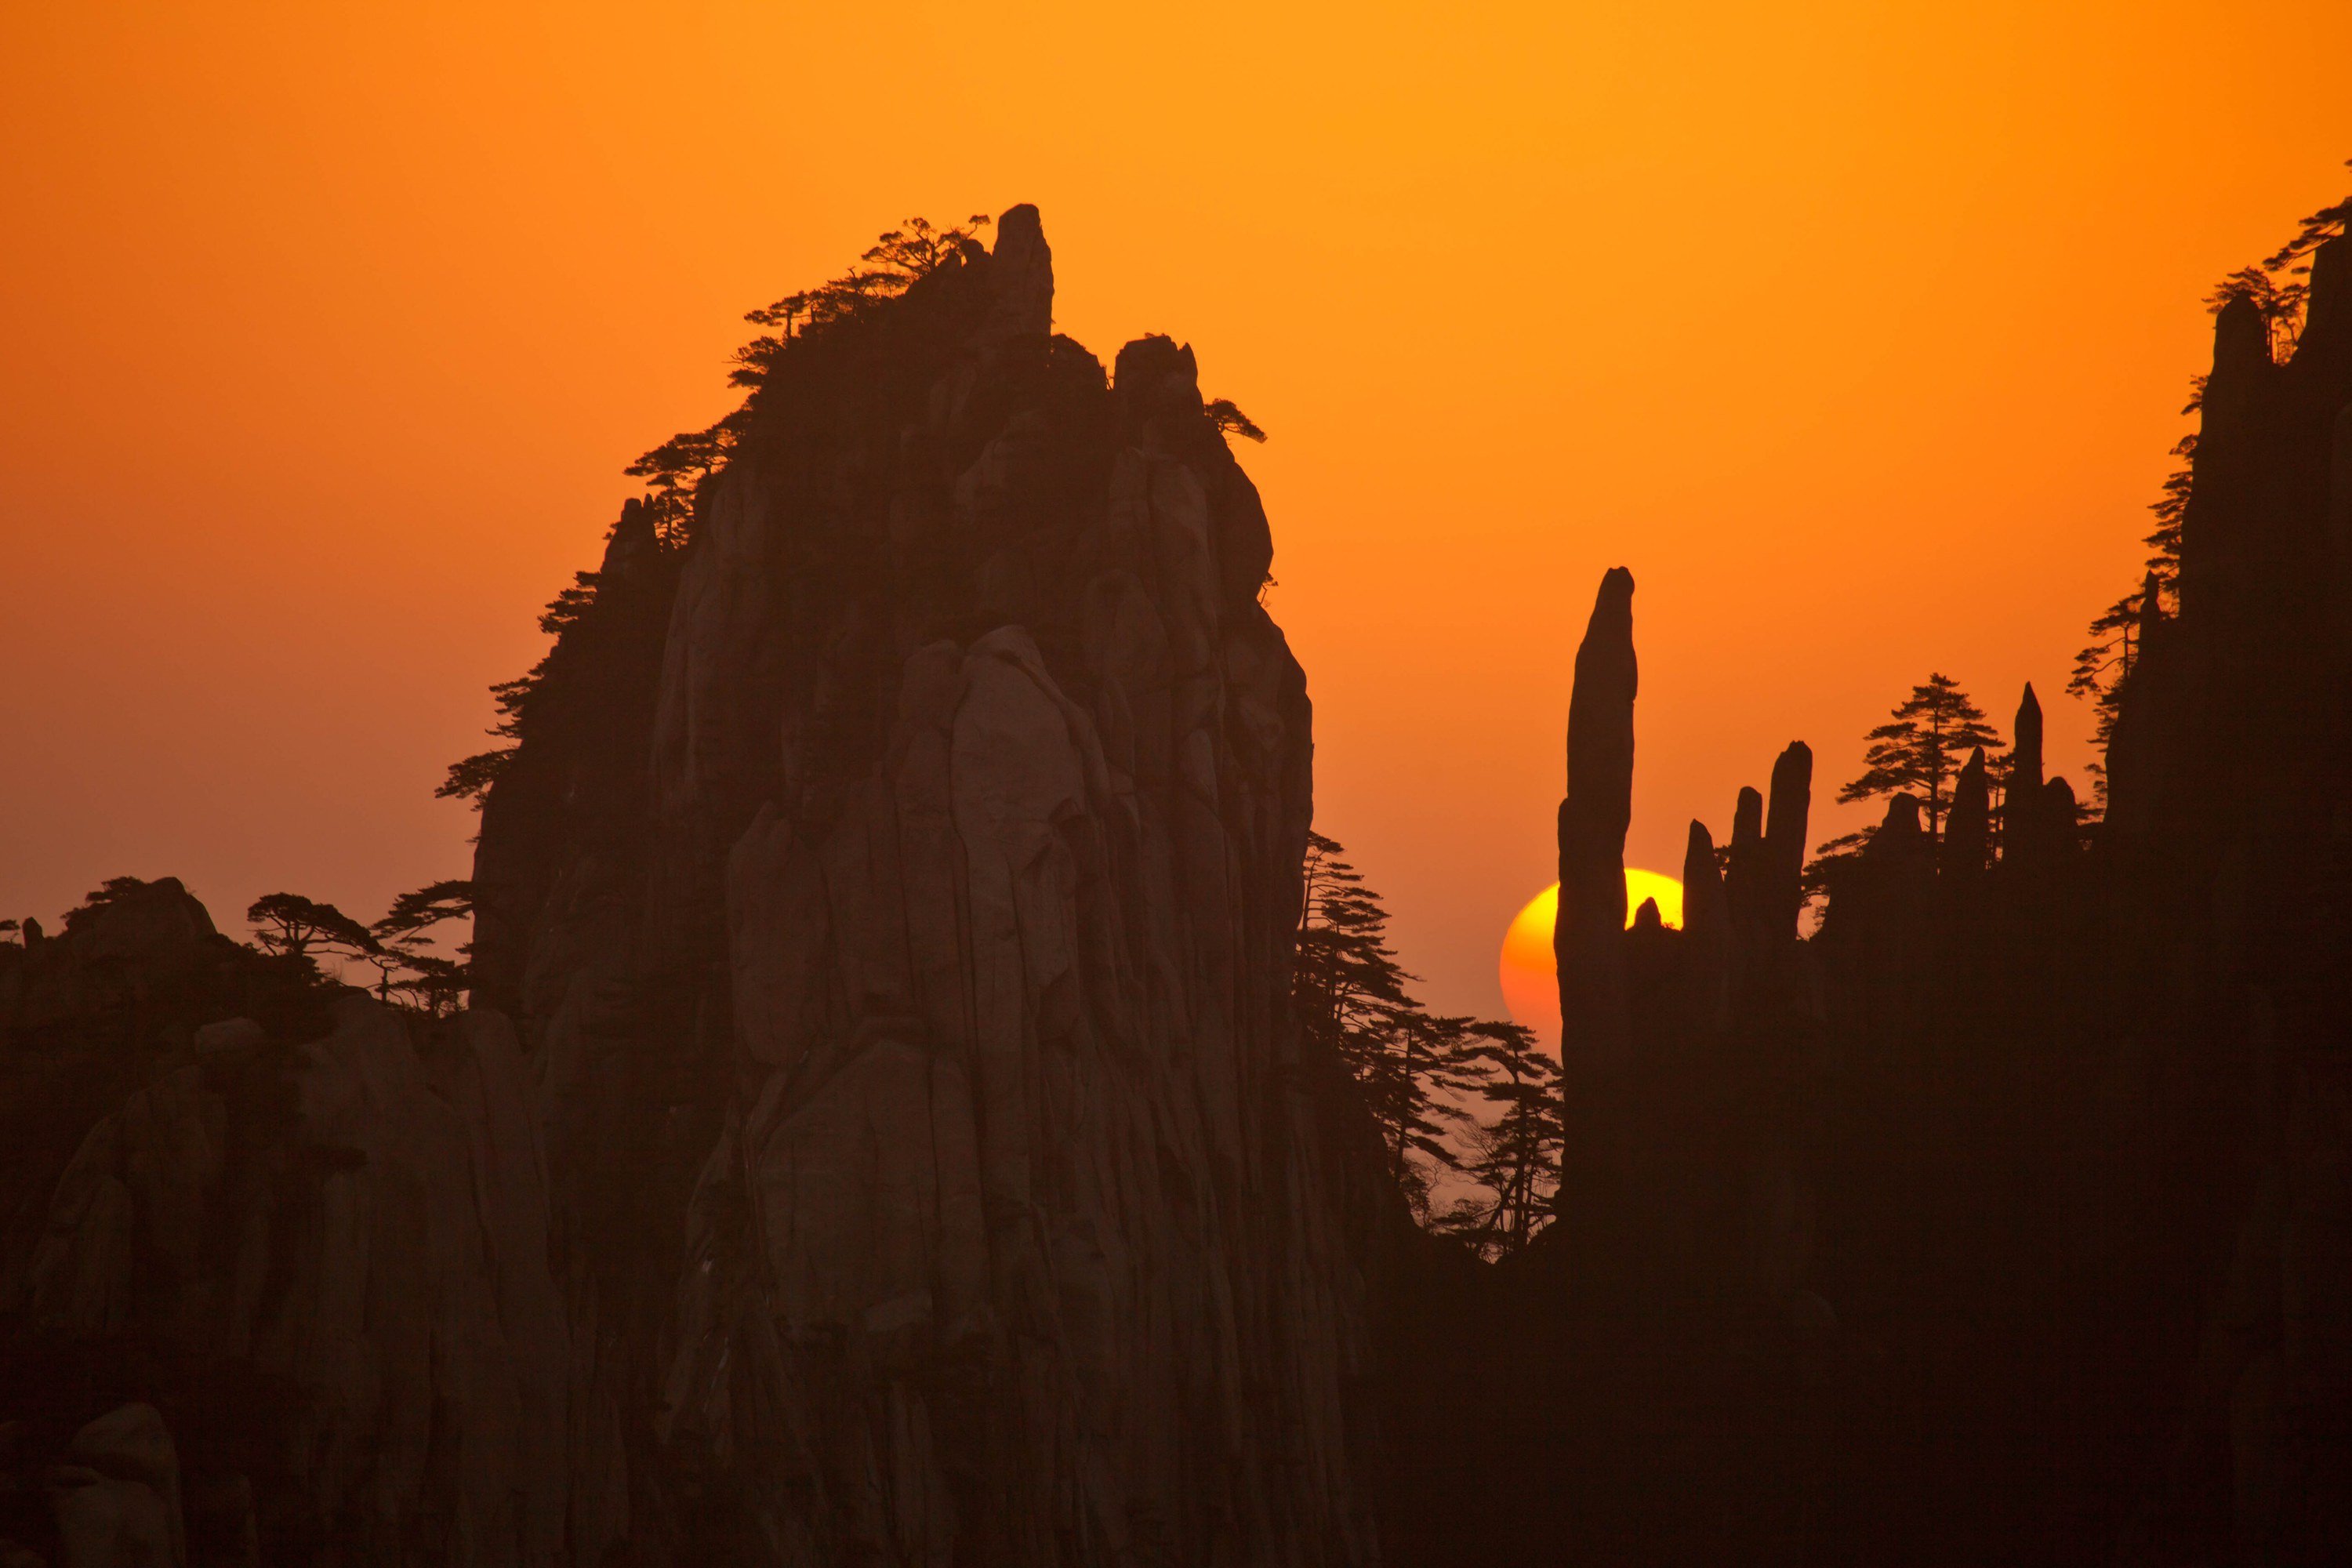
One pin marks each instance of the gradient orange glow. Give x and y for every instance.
(1858, 331)
(1528, 969)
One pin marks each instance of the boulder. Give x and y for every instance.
(116, 1496)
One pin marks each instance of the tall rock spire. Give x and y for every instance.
(2025, 752)
(1019, 280)
(1706, 932)
(2327, 314)
(1594, 1026)
(1745, 881)
(2022, 838)
(1968, 831)
(1784, 842)
(1704, 910)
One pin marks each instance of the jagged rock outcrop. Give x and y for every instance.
(1707, 933)
(275, 1278)
(1602, 1158)
(2035, 839)
(1764, 886)
(2224, 866)
(360, 1221)
(955, 926)
(1671, 1038)
(900, 1152)
(1966, 849)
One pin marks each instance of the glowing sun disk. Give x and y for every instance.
(1528, 969)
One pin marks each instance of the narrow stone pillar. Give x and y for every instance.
(1595, 1030)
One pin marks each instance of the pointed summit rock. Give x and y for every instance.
(1784, 842)
(1706, 932)
(2023, 842)
(1704, 909)
(2241, 340)
(1898, 863)
(1592, 821)
(2064, 815)
(1019, 280)
(2025, 750)
(1744, 880)
(2328, 313)
(1968, 832)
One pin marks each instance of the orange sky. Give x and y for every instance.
(1857, 331)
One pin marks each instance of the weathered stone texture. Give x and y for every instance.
(980, 784)
(363, 1221)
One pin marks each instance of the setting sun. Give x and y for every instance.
(1528, 969)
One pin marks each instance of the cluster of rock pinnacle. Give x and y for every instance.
(880, 1134)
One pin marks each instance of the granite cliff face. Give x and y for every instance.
(275, 1271)
(939, 968)
(358, 1226)
(879, 1137)
(2228, 857)
(2005, 1217)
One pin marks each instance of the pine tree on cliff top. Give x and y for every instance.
(2278, 294)
(1919, 751)
(1922, 747)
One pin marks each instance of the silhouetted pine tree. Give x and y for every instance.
(1515, 1157)
(913, 250)
(1419, 1072)
(1231, 421)
(675, 470)
(298, 931)
(2276, 290)
(432, 981)
(114, 890)
(1351, 999)
(1922, 746)
(289, 925)
(2104, 663)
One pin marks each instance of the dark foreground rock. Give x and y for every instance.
(881, 1137)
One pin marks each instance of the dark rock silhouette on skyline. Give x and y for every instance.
(898, 1152)
(2031, 1156)
(879, 1132)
